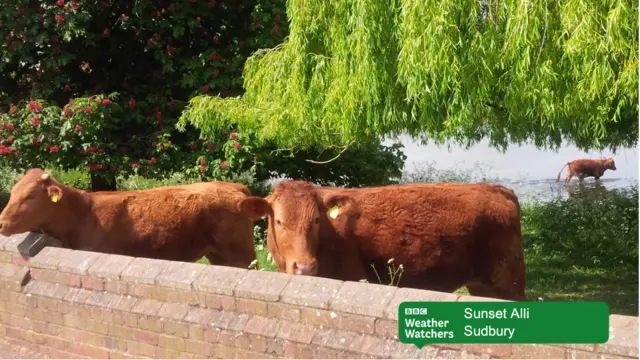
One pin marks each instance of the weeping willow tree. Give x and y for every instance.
(460, 70)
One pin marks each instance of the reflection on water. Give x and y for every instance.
(547, 189)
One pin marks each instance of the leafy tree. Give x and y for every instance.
(455, 70)
(59, 61)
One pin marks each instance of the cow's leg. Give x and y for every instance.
(569, 175)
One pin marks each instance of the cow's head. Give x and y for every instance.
(32, 202)
(610, 164)
(295, 211)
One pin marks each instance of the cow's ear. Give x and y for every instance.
(55, 193)
(255, 207)
(334, 205)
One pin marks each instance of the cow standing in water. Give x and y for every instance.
(583, 168)
(445, 235)
(180, 223)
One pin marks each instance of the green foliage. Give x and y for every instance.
(511, 71)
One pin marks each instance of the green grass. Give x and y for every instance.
(582, 248)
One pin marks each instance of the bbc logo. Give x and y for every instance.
(415, 311)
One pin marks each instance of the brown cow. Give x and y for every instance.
(445, 235)
(180, 223)
(583, 168)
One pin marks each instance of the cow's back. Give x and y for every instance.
(436, 231)
(174, 222)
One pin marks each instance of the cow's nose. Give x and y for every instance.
(305, 269)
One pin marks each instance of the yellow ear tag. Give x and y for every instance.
(55, 197)
(333, 212)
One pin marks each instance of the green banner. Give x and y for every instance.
(423, 323)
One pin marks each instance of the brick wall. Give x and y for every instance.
(77, 304)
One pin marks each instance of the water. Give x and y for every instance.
(547, 189)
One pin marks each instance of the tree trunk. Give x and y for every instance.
(105, 181)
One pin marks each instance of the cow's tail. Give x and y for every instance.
(560, 173)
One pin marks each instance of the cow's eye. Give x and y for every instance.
(278, 223)
(317, 220)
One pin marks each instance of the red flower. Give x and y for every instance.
(152, 161)
(132, 103)
(169, 142)
(204, 88)
(237, 146)
(156, 36)
(192, 146)
(9, 126)
(10, 139)
(203, 169)
(124, 17)
(75, 5)
(233, 135)
(78, 128)
(54, 149)
(106, 32)
(55, 69)
(198, 18)
(212, 3)
(59, 19)
(16, 153)
(170, 50)
(92, 149)
(67, 86)
(211, 147)
(60, 2)
(162, 148)
(216, 38)
(135, 164)
(214, 56)
(216, 72)
(36, 140)
(275, 29)
(150, 42)
(203, 162)
(12, 108)
(67, 112)
(153, 144)
(159, 117)
(100, 151)
(34, 106)
(106, 102)
(35, 121)
(224, 165)
(277, 17)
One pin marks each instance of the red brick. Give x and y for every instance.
(296, 332)
(137, 348)
(255, 307)
(173, 311)
(171, 342)
(259, 325)
(176, 328)
(249, 354)
(116, 286)
(142, 290)
(241, 340)
(146, 337)
(257, 343)
(73, 321)
(212, 335)
(150, 323)
(227, 338)
(220, 302)
(188, 297)
(162, 353)
(54, 318)
(199, 347)
(92, 283)
(299, 351)
(529, 351)
(87, 350)
(115, 354)
(196, 332)
(120, 331)
(224, 352)
(50, 276)
(284, 311)
(114, 343)
(16, 309)
(70, 279)
(55, 342)
(19, 259)
(275, 347)
(386, 328)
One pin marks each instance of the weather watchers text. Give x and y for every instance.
(423, 323)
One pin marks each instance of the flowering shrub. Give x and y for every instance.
(155, 55)
(34, 133)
